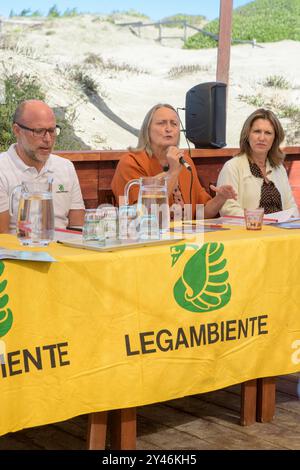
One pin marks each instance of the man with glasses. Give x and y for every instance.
(31, 160)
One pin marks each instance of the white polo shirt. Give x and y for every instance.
(66, 189)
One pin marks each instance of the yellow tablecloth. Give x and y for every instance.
(99, 331)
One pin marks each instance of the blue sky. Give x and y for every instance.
(156, 9)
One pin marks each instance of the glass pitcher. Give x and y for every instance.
(153, 199)
(35, 218)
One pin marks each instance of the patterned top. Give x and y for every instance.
(176, 210)
(270, 198)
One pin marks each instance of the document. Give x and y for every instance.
(281, 216)
(26, 255)
(67, 234)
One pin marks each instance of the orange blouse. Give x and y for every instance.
(138, 164)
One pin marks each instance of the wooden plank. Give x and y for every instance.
(96, 432)
(248, 402)
(276, 433)
(266, 390)
(114, 155)
(199, 425)
(224, 45)
(123, 429)
(95, 170)
(206, 421)
(161, 436)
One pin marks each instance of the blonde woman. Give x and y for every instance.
(157, 152)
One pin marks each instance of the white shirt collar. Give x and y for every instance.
(18, 162)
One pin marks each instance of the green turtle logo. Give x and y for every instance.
(6, 317)
(203, 286)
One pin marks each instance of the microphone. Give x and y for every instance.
(184, 163)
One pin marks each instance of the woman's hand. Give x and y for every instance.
(173, 154)
(224, 192)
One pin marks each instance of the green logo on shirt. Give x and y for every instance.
(203, 286)
(6, 316)
(61, 189)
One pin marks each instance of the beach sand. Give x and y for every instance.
(136, 74)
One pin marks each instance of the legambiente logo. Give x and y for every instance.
(203, 285)
(6, 316)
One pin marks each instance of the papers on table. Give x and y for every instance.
(240, 220)
(67, 234)
(291, 224)
(199, 226)
(281, 216)
(26, 255)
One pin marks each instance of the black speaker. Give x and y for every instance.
(205, 115)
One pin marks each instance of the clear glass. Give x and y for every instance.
(110, 221)
(35, 220)
(149, 227)
(128, 223)
(254, 218)
(93, 228)
(153, 199)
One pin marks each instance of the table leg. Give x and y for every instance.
(266, 399)
(97, 427)
(123, 429)
(248, 402)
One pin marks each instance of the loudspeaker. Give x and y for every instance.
(205, 115)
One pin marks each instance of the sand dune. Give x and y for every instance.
(51, 50)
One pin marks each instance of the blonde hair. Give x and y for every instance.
(275, 154)
(144, 138)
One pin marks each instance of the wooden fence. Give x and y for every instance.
(95, 170)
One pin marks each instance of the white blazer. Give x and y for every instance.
(237, 173)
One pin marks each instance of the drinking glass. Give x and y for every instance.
(149, 227)
(254, 218)
(128, 223)
(93, 228)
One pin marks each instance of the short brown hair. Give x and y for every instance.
(275, 154)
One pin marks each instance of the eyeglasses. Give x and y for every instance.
(52, 131)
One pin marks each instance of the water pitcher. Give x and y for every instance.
(35, 218)
(153, 199)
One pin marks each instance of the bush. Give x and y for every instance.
(20, 87)
(53, 12)
(193, 20)
(263, 20)
(277, 81)
(17, 88)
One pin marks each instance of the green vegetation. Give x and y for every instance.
(179, 71)
(17, 88)
(130, 12)
(67, 140)
(95, 60)
(52, 13)
(86, 83)
(277, 81)
(194, 20)
(262, 20)
(20, 87)
(282, 110)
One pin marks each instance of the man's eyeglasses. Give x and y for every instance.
(52, 131)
